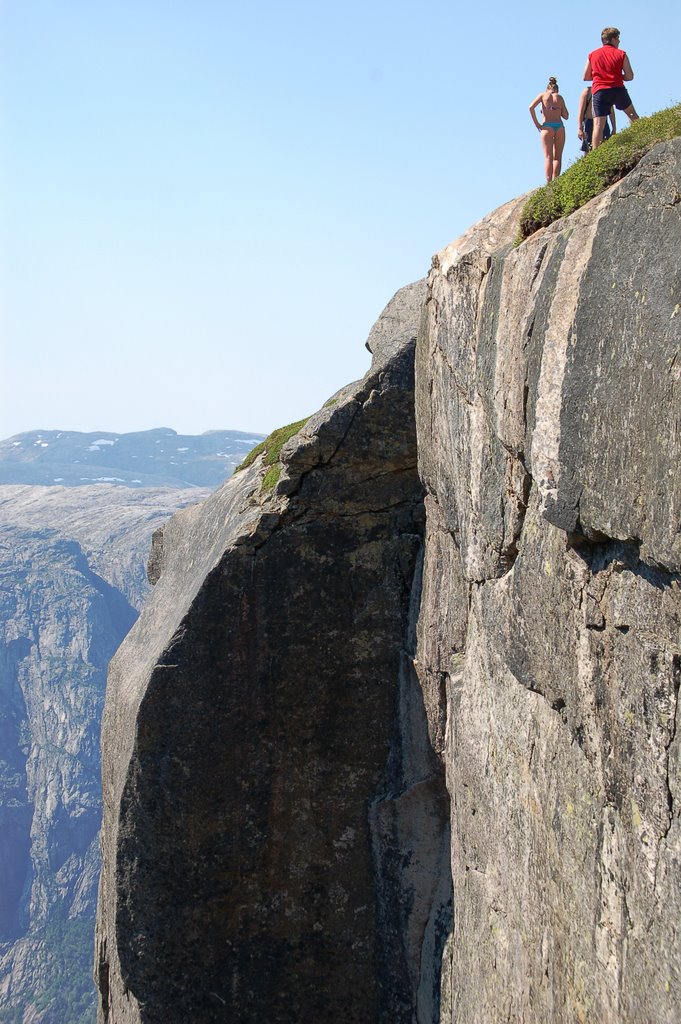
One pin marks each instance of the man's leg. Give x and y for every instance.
(599, 127)
(631, 113)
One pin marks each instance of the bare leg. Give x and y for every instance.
(547, 146)
(558, 144)
(599, 128)
(631, 113)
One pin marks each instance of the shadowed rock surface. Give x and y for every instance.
(255, 778)
(278, 840)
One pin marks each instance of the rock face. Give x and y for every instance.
(330, 719)
(111, 525)
(71, 580)
(61, 624)
(549, 648)
(255, 775)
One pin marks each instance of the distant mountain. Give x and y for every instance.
(146, 458)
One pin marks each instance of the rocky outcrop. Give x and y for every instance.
(549, 649)
(331, 719)
(257, 783)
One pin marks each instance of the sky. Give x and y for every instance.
(205, 204)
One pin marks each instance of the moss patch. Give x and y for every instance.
(252, 456)
(271, 447)
(592, 174)
(271, 478)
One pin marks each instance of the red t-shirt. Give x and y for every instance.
(606, 68)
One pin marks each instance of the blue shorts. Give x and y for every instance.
(589, 131)
(605, 98)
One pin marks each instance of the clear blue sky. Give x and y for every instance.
(205, 204)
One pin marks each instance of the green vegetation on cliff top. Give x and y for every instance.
(271, 447)
(592, 174)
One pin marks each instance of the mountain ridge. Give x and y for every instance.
(146, 458)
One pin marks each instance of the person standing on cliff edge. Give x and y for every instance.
(552, 130)
(608, 68)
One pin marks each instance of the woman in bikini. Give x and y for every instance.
(552, 130)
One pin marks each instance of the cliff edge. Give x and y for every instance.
(395, 741)
(549, 404)
(253, 771)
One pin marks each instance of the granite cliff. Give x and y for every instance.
(395, 736)
(549, 404)
(255, 779)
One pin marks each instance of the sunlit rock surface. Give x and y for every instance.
(549, 647)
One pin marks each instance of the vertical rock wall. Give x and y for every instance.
(549, 651)
(271, 850)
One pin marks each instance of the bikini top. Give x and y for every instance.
(551, 111)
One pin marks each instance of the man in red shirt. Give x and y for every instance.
(608, 68)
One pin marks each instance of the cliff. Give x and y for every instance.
(71, 578)
(389, 745)
(61, 624)
(252, 718)
(548, 403)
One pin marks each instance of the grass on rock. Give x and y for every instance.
(271, 447)
(592, 174)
